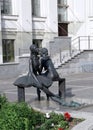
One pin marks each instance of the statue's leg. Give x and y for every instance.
(38, 93)
(47, 97)
(49, 93)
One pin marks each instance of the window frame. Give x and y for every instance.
(8, 50)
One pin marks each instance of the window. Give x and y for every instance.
(62, 29)
(5, 6)
(63, 2)
(59, 1)
(36, 7)
(62, 14)
(37, 42)
(8, 50)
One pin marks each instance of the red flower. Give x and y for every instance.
(60, 129)
(67, 116)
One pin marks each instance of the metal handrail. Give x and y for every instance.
(79, 39)
(81, 43)
(77, 47)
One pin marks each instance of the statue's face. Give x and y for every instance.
(44, 52)
(34, 49)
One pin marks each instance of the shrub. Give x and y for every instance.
(3, 100)
(18, 116)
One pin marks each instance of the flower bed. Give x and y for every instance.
(60, 122)
(19, 116)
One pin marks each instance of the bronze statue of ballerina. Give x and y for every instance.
(35, 77)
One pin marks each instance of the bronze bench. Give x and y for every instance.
(61, 90)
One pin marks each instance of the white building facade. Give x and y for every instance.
(24, 22)
(80, 15)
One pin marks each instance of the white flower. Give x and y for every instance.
(47, 115)
(52, 124)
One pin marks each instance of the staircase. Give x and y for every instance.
(80, 63)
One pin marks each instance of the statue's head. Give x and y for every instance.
(34, 49)
(44, 52)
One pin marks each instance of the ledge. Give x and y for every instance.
(9, 17)
(10, 63)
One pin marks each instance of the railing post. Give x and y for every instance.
(60, 55)
(70, 50)
(19, 52)
(79, 43)
(89, 42)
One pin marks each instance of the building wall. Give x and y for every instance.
(79, 14)
(24, 24)
(12, 70)
(77, 18)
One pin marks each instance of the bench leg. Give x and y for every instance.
(21, 94)
(62, 88)
(38, 93)
(47, 97)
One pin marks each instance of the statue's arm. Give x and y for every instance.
(40, 66)
(30, 66)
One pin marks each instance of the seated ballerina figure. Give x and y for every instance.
(48, 66)
(30, 79)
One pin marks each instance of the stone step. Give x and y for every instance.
(80, 63)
